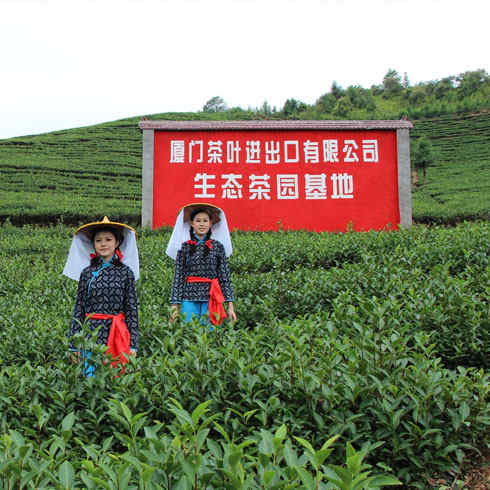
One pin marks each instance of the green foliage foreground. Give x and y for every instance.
(356, 356)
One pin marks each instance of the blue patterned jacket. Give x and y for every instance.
(211, 265)
(111, 292)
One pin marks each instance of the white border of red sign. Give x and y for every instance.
(402, 128)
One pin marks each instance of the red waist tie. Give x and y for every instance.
(118, 341)
(217, 312)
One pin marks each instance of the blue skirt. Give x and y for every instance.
(88, 368)
(196, 309)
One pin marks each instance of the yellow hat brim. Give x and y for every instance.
(89, 228)
(214, 210)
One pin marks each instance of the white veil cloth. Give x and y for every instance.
(82, 246)
(180, 233)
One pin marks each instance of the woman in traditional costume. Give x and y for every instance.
(103, 258)
(200, 244)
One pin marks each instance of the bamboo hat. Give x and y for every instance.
(213, 210)
(180, 233)
(82, 246)
(90, 228)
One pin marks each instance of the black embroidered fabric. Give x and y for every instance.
(212, 264)
(113, 291)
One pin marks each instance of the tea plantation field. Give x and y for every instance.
(68, 176)
(458, 183)
(350, 350)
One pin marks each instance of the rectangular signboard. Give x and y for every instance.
(268, 179)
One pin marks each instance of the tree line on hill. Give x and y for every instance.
(394, 98)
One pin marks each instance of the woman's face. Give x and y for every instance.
(201, 224)
(105, 244)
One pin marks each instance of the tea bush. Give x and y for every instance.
(381, 339)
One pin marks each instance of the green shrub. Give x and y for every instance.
(379, 338)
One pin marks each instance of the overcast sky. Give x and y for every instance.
(67, 63)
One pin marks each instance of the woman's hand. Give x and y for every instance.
(175, 313)
(231, 312)
(75, 357)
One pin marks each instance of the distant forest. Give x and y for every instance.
(394, 98)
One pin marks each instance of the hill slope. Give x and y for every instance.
(78, 174)
(458, 184)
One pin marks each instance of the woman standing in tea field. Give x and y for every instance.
(103, 258)
(200, 245)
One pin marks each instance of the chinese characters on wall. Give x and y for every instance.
(298, 179)
(283, 186)
(221, 181)
(274, 152)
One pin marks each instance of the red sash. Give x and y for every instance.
(119, 341)
(217, 312)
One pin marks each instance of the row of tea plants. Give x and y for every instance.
(355, 357)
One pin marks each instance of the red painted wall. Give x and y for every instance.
(264, 180)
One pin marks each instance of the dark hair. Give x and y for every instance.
(115, 231)
(117, 235)
(196, 211)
